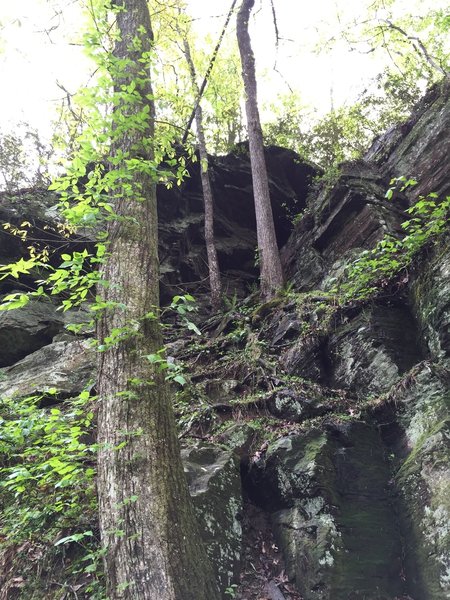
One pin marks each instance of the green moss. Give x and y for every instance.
(413, 463)
(265, 309)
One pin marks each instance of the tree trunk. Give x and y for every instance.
(149, 531)
(271, 274)
(208, 199)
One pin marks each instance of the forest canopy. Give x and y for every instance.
(334, 77)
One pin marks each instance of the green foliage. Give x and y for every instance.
(342, 134)
(231, 591)
(173, 370)
(289, 123)
(410, 39)
(373, 269)
(415, 40)
(46, 464)
(174, 93)
(47, 480)
(185, 305)
(412, 47)
(346, 132)
(76, 276)
(223, 117)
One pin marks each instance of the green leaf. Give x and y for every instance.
(193, 327)
(14, 301)
(180, 379)
(76, 537)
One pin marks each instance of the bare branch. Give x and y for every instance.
(418, 46)
(69, 101)
(275, 24)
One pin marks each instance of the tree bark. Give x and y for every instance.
(148, 528)
(208, 199)
(271, 274)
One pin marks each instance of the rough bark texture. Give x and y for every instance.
(148, 528)
(269, 258)
(213, 263)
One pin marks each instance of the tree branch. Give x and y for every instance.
(418, 46)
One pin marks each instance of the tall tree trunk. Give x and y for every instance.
(271, 273)
(208, 199)
(148, 527)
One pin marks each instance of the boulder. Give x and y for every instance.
(67, 366)
(25, 330)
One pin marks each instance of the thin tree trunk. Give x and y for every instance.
(148, 528)
(208, 71)
(271, 274)
(213, 263)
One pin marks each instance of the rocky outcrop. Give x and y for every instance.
(430, 299)
(353, 213)
(336, 415)
(182, 249)
(419, 450)
(332, 511)
(215, 485)
(370, 352)
(419, 147)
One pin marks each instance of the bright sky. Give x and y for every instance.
(33, 61)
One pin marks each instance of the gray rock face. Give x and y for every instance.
(215, 486)
(420, 447)
(430, 292)
(182, 247)
(378, 491)
(372, 350)
(332, 512)
(66, 366)
(420, 147)
(353, 213)
(26, 330)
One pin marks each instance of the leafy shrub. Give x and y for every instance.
(46, 466)
(428, 219)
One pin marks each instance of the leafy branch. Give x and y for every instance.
(373, 269)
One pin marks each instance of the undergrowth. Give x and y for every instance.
(373, 269)
(47, 489)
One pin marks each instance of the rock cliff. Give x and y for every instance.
(316, 432)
